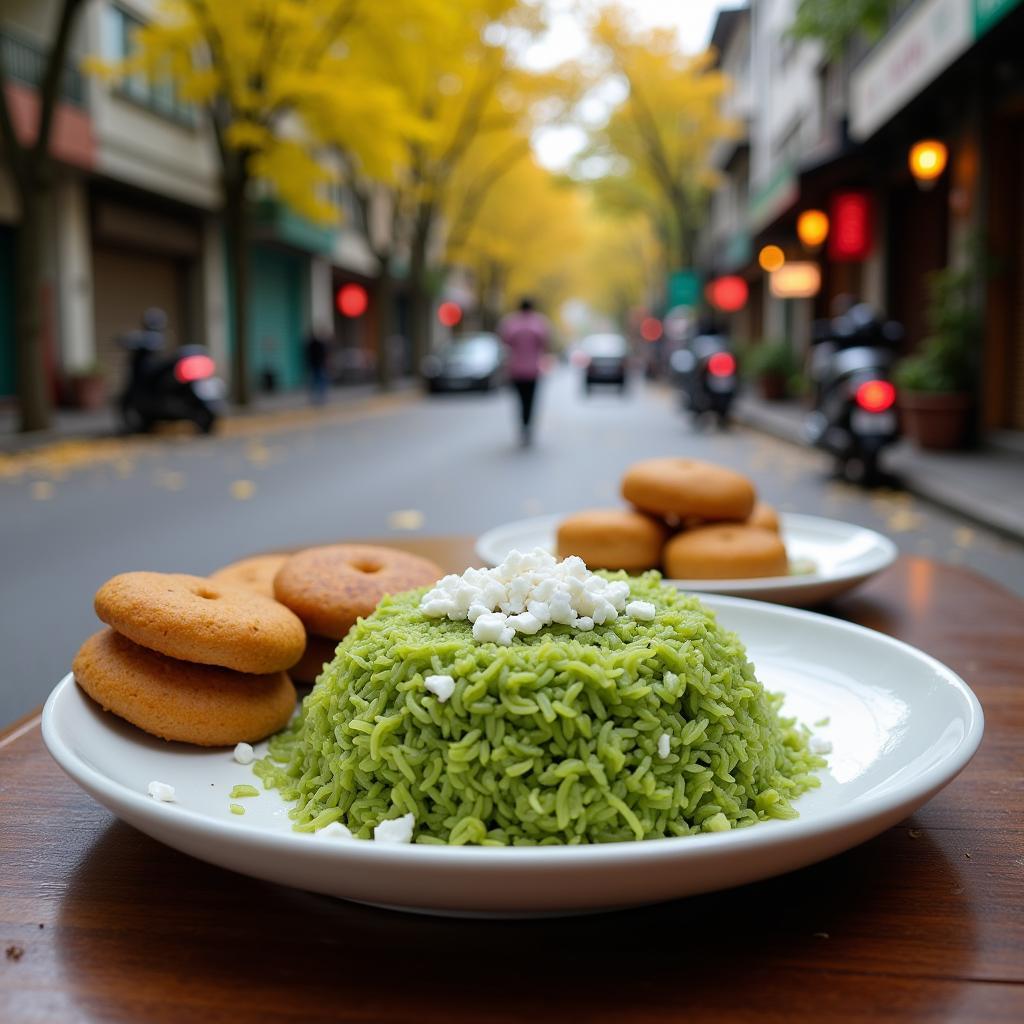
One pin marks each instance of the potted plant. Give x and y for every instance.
(935, 385)
(88, 388)
(772, 364)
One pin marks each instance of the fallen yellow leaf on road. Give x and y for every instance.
(42, 490)
(963, 537)
(406, 519)
(242, 490)
(169, 479)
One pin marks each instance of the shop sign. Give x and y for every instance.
(773, 198)
(988, 12)
(737, 252)
(851, 236)
(683, 289)
(795, 280)
(933, 35)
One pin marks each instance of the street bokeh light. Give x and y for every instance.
(352, 300)
(449, 314)
(927, 160)
(770, 258)
(812, 228)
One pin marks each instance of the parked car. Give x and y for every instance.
(604, 359)
(474, 362)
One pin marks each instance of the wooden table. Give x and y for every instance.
(926, 922)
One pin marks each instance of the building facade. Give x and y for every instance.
(834, 134)
(136, 219)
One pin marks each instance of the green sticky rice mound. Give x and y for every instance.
(551, 740)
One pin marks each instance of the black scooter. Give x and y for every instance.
(181, 386)
(854, 418)
(708, 377)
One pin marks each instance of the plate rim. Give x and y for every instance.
(887, 553)
(873, 806)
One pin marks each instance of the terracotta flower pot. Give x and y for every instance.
(88, 392)
(936, 420)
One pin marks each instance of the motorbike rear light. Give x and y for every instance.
(722, 364)
(875, 395)
(194, 368)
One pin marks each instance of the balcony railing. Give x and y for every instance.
(25, 62)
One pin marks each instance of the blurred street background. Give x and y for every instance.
(257, 259)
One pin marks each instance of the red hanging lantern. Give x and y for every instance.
(352, 300)
(851, 236)
(727, 294)
(449, 313)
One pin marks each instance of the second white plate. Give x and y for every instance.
(840, 556)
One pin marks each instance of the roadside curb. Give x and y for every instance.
(294, 411)
(934, 484)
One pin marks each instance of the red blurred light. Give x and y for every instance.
(449, 313)
(196, 367)
(352, 300)
(851, 236)
(722, 364)
(875, 395)
(650, 328)
(728, 294)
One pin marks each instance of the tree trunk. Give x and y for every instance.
(33, 379)
(686, 235)
(236, 227)
(383, 300)
(419, 297)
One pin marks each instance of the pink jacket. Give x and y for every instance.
(527, 336)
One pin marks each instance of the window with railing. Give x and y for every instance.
(25, 62)
(119, 28)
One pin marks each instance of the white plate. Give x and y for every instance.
(902, 726)
(843, 555)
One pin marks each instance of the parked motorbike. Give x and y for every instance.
(854, 418)
(180, 386)
(708, 376)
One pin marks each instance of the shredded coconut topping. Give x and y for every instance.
(664, 745)
(528, 592)
(820, 745)
(244, 754)
(395, 830)
(441, 686)
(162, 792)
(335, 830)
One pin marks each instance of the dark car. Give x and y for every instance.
(475, 362)
(605, 360)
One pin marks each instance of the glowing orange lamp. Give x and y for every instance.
(812, 228)
(771, 257)
(927, 161)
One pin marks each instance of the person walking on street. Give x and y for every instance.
(527, 335)
(316, 362)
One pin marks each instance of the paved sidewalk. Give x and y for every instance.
(985, 485)
(74, 425)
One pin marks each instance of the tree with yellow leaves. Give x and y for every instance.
(522, 240)
(657, 142)
(621, 263)
(477, 105)
(281, 80)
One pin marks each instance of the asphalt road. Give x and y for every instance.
(72, 517)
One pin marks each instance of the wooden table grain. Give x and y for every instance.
(924, 923)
